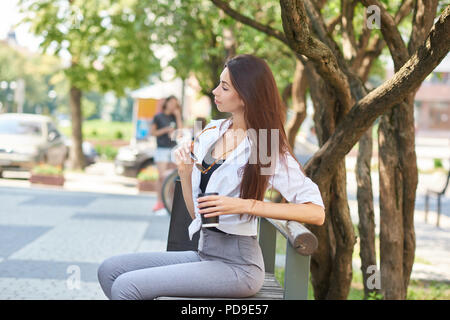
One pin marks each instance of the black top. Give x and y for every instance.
(207, 161)
(163, 120)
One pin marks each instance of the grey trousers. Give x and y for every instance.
(225, 265)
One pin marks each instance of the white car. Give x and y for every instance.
(27, 140)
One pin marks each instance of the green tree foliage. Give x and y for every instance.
(107, 42)
(44, 89)
(202, 37)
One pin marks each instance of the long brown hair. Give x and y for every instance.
(263, 109)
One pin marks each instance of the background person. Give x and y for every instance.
(164, 124)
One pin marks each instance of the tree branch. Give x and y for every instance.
(424, 13)
(363, 114)
(366, 55)
(355, 85)
(332, 23)
(391, 34)
(302, 42)
(348, 33)
(364, 37)
(250, 22)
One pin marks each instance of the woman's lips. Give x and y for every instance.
(216, 101)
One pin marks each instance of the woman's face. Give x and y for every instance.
(226, 97)
(171, 105)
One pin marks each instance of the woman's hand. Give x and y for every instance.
(183, 160)
(220, 205)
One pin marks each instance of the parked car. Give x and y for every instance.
(27, 140)
(133, 158)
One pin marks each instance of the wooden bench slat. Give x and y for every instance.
(301, 239)
(271, 289)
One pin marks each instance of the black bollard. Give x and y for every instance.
(180, 219)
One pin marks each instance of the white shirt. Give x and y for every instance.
(293, 185)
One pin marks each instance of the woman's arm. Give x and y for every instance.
(159, 132)
(302, 194)
(302, 212)
(186, 186)
(185, 165)
(177, 115)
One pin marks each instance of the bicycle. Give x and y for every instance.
(168, 190)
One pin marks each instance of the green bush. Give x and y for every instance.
(47, 169)
(148, 174)
(119, 135)
(107, 152)
(373, 295)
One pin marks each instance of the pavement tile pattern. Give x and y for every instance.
(52, 241)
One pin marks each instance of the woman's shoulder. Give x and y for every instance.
(158, 115)
(286, 160)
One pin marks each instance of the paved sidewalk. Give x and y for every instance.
(52, 241)
(99, 177)
(432, 256)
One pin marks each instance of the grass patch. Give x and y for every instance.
(106, 136)
(424, 290)
(101, 130)
(280, 247)
(417, 290)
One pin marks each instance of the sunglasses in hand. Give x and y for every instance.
(199, 166)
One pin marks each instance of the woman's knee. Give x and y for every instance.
(125, 288)
(108, 271)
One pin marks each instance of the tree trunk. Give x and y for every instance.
(341, 123)
(366, 225)
(77, 160)
(299, 87)
(406, 137)
(391, 210)
(341, 272)
(286, 94)
(322, 259)
(331, 264)
(401, 178)
(398, 183)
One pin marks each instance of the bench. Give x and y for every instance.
(300, 245)
(439, 194)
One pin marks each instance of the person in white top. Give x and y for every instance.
(243, 156)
